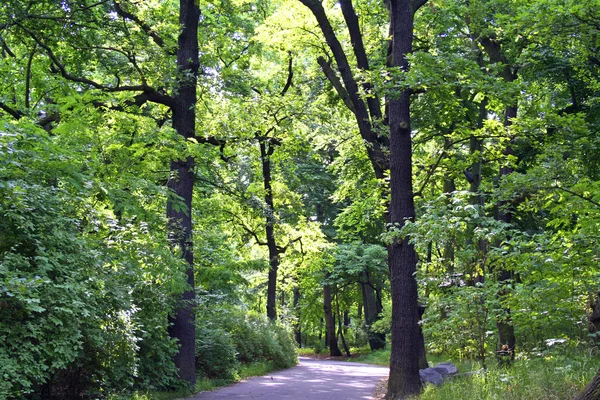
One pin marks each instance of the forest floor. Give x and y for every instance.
(310, 379)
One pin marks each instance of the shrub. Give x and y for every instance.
(215, 353)
(258, 339)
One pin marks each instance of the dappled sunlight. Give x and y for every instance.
(311, 379)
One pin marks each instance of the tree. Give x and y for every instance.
(404, 378)
(591, 391)
(181, 103)
(181, 183)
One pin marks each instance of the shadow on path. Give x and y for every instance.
(310, 379)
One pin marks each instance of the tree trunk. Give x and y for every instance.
(591, 391)
(266, 151)
(297, 331)
(506, 330)
(421, 347)
(340, 322)
(594, 319)
(404, 380)
(376, 340)
(181, 184)
(449, 188)
(477, 273)
(346, 320)
(331, 337)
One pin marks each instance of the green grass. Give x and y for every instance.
(541, 378)
(552, 376)
(379, 357)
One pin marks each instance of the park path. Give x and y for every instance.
(310, 379)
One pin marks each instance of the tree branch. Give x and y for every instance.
(416, 4)
(63, 71)
(419, 193)
(6, 48)
(9, 110)
(582, 197)
(146, 28)
(362, 61)
(288, 83)
(375, 151)
(282, 250)
(335, 82)
(244, 227)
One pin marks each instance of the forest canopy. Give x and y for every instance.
(188, 188)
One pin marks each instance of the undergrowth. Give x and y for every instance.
(553, 375)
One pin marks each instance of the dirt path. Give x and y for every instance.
(310, 379)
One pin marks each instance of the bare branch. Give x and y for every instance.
(582, 197)
(432, 169)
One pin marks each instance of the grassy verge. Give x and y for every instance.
(549, 377)
(552, 376)
(204, 384)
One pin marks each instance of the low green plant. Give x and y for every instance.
(543, 378)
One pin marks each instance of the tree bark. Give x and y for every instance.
(266, 151)
(341, 327)
(181, 185)
(297, 330)
(594, 319)
(375, 143)
(330, 336)
(506, 331)
(371, 312)
(404, 380)
(591, 391)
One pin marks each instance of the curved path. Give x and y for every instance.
(310, 379)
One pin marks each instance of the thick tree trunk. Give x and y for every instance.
(404, 378)
(181, 184)
(592, 391)
(331, 336)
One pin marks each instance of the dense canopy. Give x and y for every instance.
(191, 188)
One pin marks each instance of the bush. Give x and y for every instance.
(215, 353)
(231, 337)
(258, 339)
(82, 305)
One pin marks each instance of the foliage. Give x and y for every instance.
(546, 377)
(88, 281)
(65, 291)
